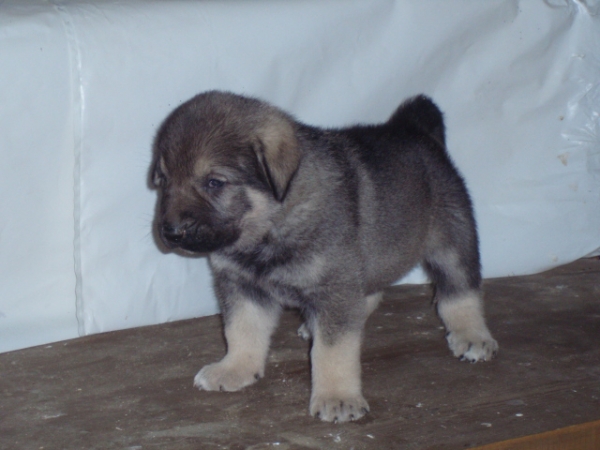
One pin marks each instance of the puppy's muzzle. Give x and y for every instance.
(173, 236)
(195, 237)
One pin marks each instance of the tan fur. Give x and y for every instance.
(372, 302)
(248, 333)
(281, 151)
(336, 373)
(468, 335)
(256, 222)
(336, 391)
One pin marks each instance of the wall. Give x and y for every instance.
(85, 85)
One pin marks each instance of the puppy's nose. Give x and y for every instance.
(173, 235)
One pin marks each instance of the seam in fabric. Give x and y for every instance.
(78, 104)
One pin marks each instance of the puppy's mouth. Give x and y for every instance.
(195, 238)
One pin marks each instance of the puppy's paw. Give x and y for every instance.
(224, 376)
(332, 408)
(472, 346)
(304, 332)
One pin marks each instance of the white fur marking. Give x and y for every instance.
(336, 391)
(248, 334)
(468, 336)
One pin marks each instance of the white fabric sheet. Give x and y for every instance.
(86, 83)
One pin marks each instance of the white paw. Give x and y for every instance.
(338, 408)
(223, 376)
(304, 332)
(472, 346)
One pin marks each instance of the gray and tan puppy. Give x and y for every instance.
(321, 220)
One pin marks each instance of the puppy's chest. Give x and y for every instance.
(278, 271)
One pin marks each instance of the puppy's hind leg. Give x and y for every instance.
(459, 305)
(248, 329)
(468, 336)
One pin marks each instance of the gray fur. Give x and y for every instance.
(321, 220)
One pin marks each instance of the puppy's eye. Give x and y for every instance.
(213, 183)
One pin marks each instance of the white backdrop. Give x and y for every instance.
(84, 85)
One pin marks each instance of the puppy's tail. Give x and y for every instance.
(421, 112)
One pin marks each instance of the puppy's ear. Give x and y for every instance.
(278, 153)
(156, 175)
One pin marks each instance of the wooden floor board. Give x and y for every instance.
(133, 389)
(577, 437)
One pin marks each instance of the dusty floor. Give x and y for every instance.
(133, 389)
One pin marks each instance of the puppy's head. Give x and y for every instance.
(222, 164)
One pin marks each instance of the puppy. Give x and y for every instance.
(322, 220)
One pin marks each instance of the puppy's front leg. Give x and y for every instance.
(248, 329)
(336, 386)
